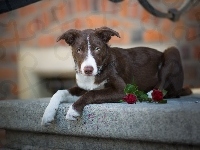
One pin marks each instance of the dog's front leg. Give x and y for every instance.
(107, 95)
(60, 96)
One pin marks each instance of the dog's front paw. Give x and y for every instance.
(47, 118)
(72, 114)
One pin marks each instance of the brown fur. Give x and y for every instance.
(148, 67)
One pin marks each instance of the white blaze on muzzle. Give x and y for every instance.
(89, 60)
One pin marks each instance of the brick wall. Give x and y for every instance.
(39, 24)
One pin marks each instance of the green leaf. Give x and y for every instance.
(121, 101)
(140, 100)
(130, 89)
(144, 96)
(150, 100)
(138, 93)
(141, 95)
(164, 101)
(164, 92)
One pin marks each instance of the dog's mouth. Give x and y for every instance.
(87, 75)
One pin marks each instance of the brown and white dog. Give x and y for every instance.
(102, 71)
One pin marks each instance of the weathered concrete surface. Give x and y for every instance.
(39, 141)
(177, 122)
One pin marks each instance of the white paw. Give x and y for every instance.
(149, 94)
(48, 117)
(72, 114)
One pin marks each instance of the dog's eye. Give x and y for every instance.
(97, 49)
(78, 50)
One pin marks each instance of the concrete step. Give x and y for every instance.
(120, 126)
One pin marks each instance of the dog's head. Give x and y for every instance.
(89, 48)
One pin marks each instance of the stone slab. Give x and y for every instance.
(40, 141)
(178, 121)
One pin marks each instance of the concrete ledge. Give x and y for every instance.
(40, 141)
(175, 123)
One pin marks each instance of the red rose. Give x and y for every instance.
(130, 98)
(157, 95)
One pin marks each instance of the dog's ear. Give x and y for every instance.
(69, 36)
(105, 33)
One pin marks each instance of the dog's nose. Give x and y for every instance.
(88, 70)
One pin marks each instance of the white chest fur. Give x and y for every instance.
(87, 82)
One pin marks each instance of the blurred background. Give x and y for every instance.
(34, 65)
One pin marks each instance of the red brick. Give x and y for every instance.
(11, 38)
(127, 25)
(46, 41)
(54, 29)
(124, 9)
(14, 89)
(45, 18)
(125, 38)
(194, 14)
(104, 5)
(153, 36)
(8, 57)
(95, 21)
(179, 23)
(115, 23)
(145, 16)
(155, 21)
(61, 11)
(89, 22)
(166, 25)
(179, 32)
(39, 23)
(28, 10)
(134, 8)
(35, 26)
(6, 73)
(87, 6)
(65, 26)
(79, 6)
(196, 52)
(78, 23)
(14, 57)
(31, 42)
(9, 43)
(10, 28)
(26, 33)
(192, 34)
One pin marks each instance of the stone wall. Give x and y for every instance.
(39, 24)
(118, 126)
